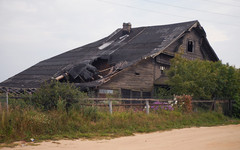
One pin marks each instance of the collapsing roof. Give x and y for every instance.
(95, 63)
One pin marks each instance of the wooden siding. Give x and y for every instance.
(196, 54)
(199, 51)
(139, 77)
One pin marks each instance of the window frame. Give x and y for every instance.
(193, 46)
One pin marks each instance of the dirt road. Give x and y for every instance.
(203, 138)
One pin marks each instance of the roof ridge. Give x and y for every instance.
(194, 21)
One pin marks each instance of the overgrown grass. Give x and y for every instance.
(89, 122)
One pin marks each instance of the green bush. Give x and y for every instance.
(52, 94)
(236, 106)
(205, 80)
(163, 93)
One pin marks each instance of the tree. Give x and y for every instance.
(196, 78)
(204, 79)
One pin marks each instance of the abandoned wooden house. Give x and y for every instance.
(129, 62)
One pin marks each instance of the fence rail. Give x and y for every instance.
(132, 102)
(147, 103)
(129, 99)
(150, 99)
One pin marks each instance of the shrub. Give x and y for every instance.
(163, 93)
(236, 107)
(50, 94)
(185, 103)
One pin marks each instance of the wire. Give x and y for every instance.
(164, 13)
(199, 10)
(143, 9)
(236, 1)
(222, 3)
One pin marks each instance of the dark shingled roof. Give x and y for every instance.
(141, 43)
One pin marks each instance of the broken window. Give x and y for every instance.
(162, 68)
(190, 47)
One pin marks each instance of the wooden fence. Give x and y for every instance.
(131, 102)
(148, 102)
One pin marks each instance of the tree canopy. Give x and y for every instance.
(204, 80)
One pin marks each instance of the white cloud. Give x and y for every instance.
(18, 6)
(214, 34)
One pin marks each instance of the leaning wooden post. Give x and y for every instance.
(110, 106)
(147, 106)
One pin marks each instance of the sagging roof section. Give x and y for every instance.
(95, 63)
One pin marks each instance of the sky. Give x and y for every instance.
(35, 30)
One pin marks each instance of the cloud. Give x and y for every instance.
(18, 6)
(215, 35)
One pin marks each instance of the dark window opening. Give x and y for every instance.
(146, 94)
(162, 68)
(126, 93)
(161, 71)
(190, 46)
(136, 94)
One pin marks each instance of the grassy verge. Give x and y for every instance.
(89, 122)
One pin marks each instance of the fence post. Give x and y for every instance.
(230, 106)
(110, 106)
(214, 105)
(147, 106)
(7, 99)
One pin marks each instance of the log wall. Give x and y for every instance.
(138, 77)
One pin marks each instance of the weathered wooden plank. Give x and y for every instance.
(107, 105)
(138, 77)
(150, 99)
(125, 99)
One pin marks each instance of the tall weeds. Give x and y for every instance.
(53, 113)
(27, 123)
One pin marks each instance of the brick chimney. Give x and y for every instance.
(126, 28)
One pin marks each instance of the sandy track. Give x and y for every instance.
(203, 138)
